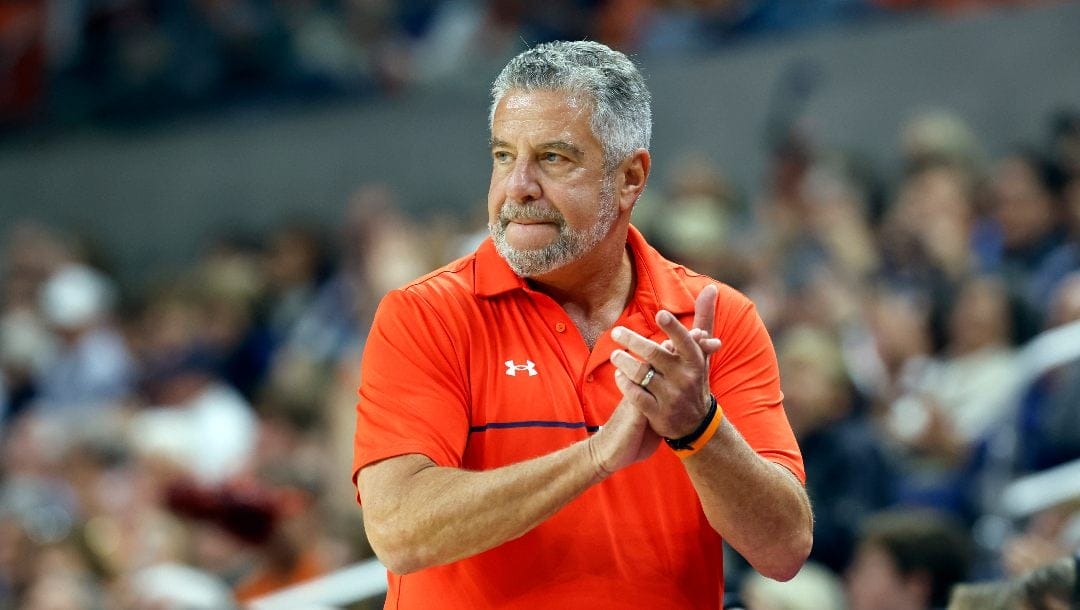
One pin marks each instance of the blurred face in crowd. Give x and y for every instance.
(814, 383)
(811, 398)
(874, 582)
(1023, 207)
(549, 202)
(900, 327)
(293, 258)
(938, 193)
(979, 317)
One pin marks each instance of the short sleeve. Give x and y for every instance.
(413, 396)
(745, 378)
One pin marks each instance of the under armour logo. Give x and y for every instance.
(512, 368)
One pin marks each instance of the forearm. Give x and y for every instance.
(760, 508)
(757, 506)
(437, 515)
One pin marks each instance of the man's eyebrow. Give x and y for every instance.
(560, 145)
(563, 146)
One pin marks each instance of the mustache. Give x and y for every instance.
(514, 212)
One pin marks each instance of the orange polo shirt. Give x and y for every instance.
(474, 369)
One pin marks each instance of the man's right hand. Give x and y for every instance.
(625, 439)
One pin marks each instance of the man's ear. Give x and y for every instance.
(634, 171)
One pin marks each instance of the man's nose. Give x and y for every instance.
(522, 184)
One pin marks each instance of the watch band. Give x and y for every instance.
(691, 443)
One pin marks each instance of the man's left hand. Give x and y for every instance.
(675, 397)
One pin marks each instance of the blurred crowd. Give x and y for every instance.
(192, 436)
(66, 62)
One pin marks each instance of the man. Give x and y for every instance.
(512, 403)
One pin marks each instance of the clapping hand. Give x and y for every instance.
(668, 382)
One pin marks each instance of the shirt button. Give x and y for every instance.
(559, 326)
(589, 378)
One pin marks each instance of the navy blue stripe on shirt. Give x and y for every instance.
(502, 425)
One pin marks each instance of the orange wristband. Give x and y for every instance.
(710, 431)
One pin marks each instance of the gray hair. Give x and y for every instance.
(605, 78)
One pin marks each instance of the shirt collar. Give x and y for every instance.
(493, 275)
(657, 280)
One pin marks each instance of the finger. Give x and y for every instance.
(646, 349)
(634, 369)
(636, 395)
(705, 309)
(685, 346)
(709, 345)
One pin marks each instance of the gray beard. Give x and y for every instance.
(569, 246)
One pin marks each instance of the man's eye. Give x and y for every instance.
(551, 157)
(500, 156)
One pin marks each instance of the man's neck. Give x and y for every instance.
(594, 291)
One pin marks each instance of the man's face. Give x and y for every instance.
(549, 202)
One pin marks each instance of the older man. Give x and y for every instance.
(512, 403)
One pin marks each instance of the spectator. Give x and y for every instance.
(696, 224)
(1025, 192)
(907, 560)
(193, 419)
(295, 265)
(331, 325)
(228, 285)
(940, 138)
(92, 367)
(31, 254)
(833, 435)
(954, 402)
(889, 355)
